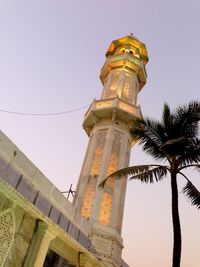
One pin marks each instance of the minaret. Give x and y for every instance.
(107, 123)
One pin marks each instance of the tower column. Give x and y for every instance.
(107, 123)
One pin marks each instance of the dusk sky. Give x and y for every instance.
(51, 53)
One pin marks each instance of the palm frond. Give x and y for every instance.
(191, 153)
(151, 135)
(195, 166)
(174, 146)
(152, 175)
(144, 173)
(182, 146)
(166, 116)
(185, 120)
(194, 110)
(188, 113)
(192, 193)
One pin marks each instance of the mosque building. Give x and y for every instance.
(39, 226)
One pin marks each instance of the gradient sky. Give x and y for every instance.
(51, 53)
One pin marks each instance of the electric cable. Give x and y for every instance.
(43, 114)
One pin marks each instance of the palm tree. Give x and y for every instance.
(173, 141)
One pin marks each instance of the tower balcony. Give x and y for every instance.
(113, 109)
(125, 61)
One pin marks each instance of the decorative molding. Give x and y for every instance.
(7, 231)
(105, 247)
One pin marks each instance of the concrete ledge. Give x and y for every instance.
(61, 203)
(83, 240)
(45, 186)
(43, 204)
(63, 223)
(26, 189)
(73, 231)
(54, 214)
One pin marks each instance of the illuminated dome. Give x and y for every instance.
(128, 42)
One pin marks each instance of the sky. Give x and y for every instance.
(51, 54)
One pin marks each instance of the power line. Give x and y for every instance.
(42, 114)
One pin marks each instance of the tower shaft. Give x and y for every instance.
(108, 151)
(107, 123)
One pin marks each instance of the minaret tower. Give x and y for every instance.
(107, 123)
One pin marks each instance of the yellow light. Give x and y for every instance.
(106, 202)
(92, 180)
(103, 104)
(126, 107)
(105, 209)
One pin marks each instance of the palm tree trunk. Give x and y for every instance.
(176, 223)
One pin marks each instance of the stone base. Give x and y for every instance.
(106, 247)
